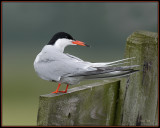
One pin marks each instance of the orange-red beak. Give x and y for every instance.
(80, 43)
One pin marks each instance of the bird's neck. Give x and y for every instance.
(59, 48)
(60, 45)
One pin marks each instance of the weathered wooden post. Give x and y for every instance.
(131, 102)
(88, 105)
(138, 99)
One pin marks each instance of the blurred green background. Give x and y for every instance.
(28, 26)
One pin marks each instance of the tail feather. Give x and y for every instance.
(118, 64)
(121, 68)
(122, 74)
(106, 64)
(109, 63)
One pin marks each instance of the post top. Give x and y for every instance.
(147, 33)
(79, 88)
(143, 37)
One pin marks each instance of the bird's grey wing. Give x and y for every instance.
(107, 72)
(55, 65)
(102, 70)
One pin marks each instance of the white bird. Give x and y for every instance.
(54, 65)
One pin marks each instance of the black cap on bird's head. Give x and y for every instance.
(63, 35)
(60, 35)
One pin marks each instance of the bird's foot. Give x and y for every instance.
(59, 91)
(55, 92)
(63, 91)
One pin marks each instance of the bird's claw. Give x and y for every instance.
(59, 91)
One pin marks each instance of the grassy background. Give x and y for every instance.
(27, 27)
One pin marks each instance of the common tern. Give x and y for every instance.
(54, 65)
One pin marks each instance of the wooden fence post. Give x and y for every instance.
(87, 105)
(133, 101)
(138, 100)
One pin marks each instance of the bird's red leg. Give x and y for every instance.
(57, 88)
(65, 90)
